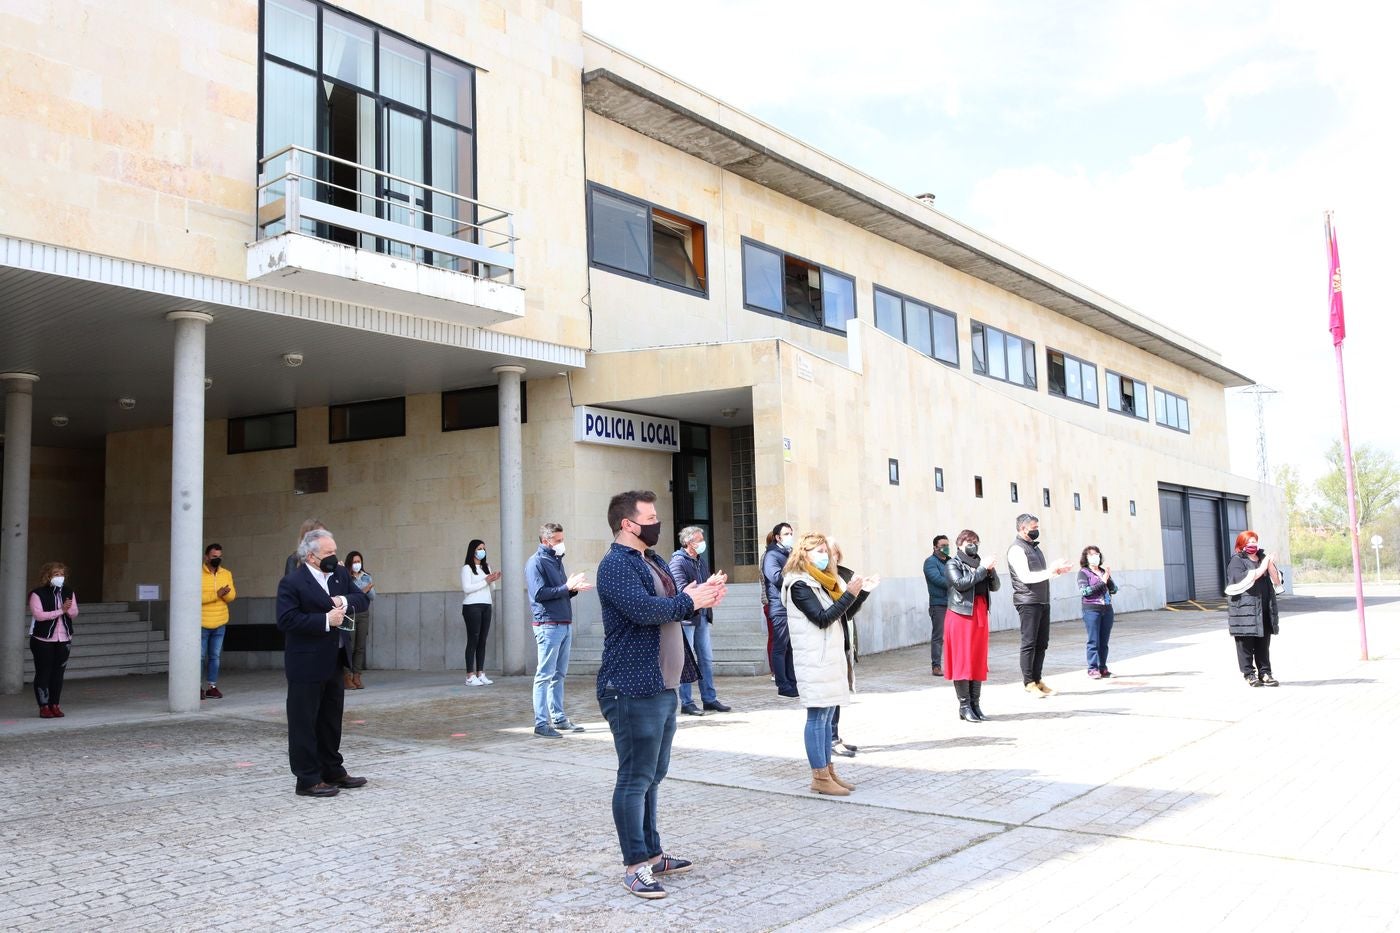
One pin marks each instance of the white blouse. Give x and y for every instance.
(475, 589)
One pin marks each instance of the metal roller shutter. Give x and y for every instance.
(1207, 565)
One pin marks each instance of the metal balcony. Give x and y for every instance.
(340, 230)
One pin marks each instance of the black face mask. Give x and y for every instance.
(214, 562)
(970, 550)
(329, 563)
(650, 534)
(1033, 534)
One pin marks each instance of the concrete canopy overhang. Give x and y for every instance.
(750, 149)
(701, 383)
(93, 329)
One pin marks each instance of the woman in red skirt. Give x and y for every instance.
(971, 581)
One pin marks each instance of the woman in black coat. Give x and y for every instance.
(1251, 577)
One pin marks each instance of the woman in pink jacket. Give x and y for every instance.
(54, 607)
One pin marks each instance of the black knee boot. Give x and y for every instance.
(974, 696)
(964, 700)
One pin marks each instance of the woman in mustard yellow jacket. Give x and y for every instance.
(217, 593)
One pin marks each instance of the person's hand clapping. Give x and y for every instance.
(1062, 566)
(856, 585)
(871, 582)
(704, 595)
(335, 617)
(990, 564)
(493, 577)
(578, 583)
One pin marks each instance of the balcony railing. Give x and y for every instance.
(323, 196)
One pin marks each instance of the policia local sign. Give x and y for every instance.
(624, 429)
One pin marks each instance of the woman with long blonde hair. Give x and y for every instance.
(816, 599)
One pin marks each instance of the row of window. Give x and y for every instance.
(977, 490)
(462, 410)
(632, 237)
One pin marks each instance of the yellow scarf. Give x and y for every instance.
(828, 579)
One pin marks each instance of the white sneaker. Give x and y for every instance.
(471, 681)
(483, 681)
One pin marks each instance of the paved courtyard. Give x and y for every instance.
(1169, 797)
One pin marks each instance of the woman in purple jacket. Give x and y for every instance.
(1096, 589)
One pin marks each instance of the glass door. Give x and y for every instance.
(691, 485)
(404, 155)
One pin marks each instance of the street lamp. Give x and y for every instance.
(1376, 542)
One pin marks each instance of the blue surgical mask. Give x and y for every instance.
(821, 561)
(786, 541)
(700, 549)
(481, 553)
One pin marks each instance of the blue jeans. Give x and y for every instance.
(211, 645)
(552, 643)
(1098, 623)
(817, 735)
(642, 729)
(698, 635)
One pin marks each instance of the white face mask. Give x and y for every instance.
(355, 566)
(558, 549)
(786, 541)
(1093, 560)
(700, 549)
(57, 582)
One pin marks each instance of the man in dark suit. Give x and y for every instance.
(312, 602)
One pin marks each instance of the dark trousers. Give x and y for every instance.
(780, 657)
(314, 712)
(477, 616)
(836, 726)
(1098, 625)
(50, 663)
(360, 641)
(642, 730)
(936, 615)
(1253, 654)
(1035, 638)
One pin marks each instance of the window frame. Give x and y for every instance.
(1108, 396)
(937, 479)
(1050, 385)
(442, 403)
(783, 257)
(1181, 400)
(651, 208)
(904, 301)
(228, 432)
(382, 102)
(1033, 386)
(330, 419)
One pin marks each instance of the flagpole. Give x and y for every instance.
(1339, 334)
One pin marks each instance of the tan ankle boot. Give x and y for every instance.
(831, 770)
(349, 681)
(359, 684)
(823, 784)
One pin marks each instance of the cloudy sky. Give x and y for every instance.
(1175, 156)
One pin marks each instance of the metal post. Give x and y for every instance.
(14, 526)
(186, 508)
(513, 555)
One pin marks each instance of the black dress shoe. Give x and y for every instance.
(717, 707)
(690, 709)
(348, 783)
(318, 790)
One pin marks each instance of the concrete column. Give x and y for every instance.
(14, 527)
(513, 615)
(186, 508)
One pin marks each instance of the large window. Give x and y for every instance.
(262, 432)
(340, 85)
(1003, 356)
(638, 239)
(1071, 377)
(464, 409)
(1172, 410)
(1126, 395)
(367, 421)
(779, 283)
(929, 329)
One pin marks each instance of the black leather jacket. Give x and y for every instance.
(966, 581)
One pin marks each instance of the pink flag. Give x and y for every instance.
(1337, 321)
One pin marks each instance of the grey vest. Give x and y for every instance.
(1027, 594)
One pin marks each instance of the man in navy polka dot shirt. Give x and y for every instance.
(645, 659)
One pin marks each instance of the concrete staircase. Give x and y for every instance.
(738, 637)
(111, 639)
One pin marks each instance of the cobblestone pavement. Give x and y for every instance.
(1170, 794)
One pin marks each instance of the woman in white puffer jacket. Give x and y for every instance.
(816, 599)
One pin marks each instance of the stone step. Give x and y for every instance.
(129, 663)
(121, 653)
(85, 627)
(112, 670)
(105, 637)
(86, 608)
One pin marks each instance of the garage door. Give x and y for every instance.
(1174, 547)
(1207, 565)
